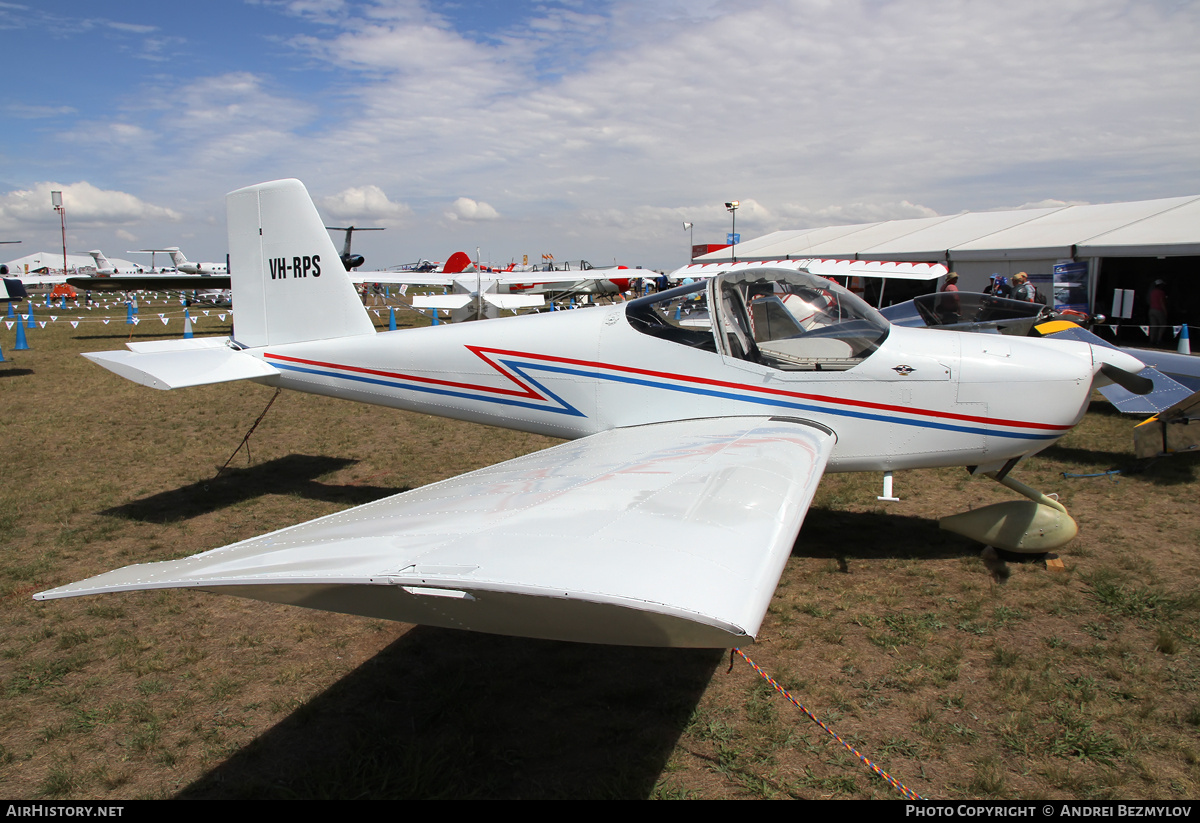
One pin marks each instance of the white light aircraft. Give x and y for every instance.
(701, 421)
(482, 293)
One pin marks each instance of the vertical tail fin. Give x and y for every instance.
(102, 263)
(289, 285)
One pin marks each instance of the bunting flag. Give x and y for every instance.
(1145, 330)
(106, 321)
(10, 324)
(74, 324)
(164, 319)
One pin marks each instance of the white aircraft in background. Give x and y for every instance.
(480, 292)
(210, 281)
(182, 264)
(701, 420)
(105, 267)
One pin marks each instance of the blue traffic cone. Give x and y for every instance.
(1185, 345)
(129, 314)
(10, 311)
(391, 319)
(187, 325)
(29, 320)
(435, 320)
(2, 360)
(22, 343)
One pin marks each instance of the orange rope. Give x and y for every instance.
(893, 782)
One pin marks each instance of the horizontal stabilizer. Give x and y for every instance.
(1163, 393)
(448, 302)
(672, 534)
(176, 364)
(515, 301)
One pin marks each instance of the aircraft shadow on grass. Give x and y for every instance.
(15, 372)
(449, 714)
(294, 474)
(872, 536)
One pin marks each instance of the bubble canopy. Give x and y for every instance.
(782, 318)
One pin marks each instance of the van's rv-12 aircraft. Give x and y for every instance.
(701, 420)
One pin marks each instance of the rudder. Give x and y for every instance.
(289, 285)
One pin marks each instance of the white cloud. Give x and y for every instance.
(86, 205)
(364, 202)
(609, 124)
(798, 216)
(464, 208)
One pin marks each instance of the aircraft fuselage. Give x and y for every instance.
(924, 398)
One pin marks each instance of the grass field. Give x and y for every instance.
(962, 679)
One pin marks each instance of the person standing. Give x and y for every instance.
(951, 307)
(1022, 289)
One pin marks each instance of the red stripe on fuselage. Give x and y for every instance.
(707, 381)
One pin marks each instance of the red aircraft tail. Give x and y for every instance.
(460, 261)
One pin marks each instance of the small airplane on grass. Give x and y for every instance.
(700, 422)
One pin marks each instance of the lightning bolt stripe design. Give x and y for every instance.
(527, 392)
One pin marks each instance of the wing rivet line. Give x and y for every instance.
(908, 793)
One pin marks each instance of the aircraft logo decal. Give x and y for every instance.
(903, 371)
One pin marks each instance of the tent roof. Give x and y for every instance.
(1170, 226)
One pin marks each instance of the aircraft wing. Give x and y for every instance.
(160, 282)
(39, 279)
(504, 278)
(672, 534)
(822, 267)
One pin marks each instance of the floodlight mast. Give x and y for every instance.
(57, 201)
(732, 208)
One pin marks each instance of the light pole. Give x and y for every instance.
(732, 208)
(691, 241)
(56, 201)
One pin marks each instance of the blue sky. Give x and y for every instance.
(583, 129)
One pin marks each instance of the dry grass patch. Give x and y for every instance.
(1073, 684)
